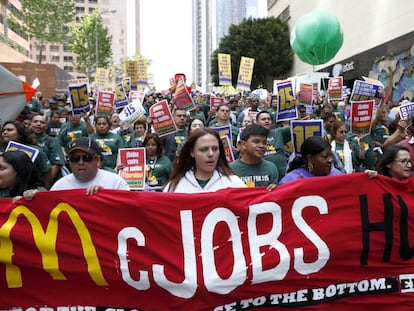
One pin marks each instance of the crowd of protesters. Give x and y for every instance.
(79, 150)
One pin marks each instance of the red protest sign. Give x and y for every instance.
(162, 120)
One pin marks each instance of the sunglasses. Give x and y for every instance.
(85, 158)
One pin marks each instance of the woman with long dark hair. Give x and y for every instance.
(17, 174)
(201, 165)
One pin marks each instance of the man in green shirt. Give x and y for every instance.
(251, 167)
(277, 139)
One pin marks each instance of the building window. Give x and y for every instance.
(68, 68)
(67, 59)
(80, 9)
(43, 58)
(66, 48)
(55, 58)
(80, 1)
(40, 47)
(91, 10)
(93, 1)
(285, 15)
(54, 48)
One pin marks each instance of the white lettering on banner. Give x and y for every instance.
(407, 283)
(298, 206)
(307, 297)
(214, 283)
(187, 288)
(268, 239)
(212, 280)
(123, 236)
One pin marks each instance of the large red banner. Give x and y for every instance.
(327, 243)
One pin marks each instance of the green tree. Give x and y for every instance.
(43, 20)
(264, 39)
(84, 36)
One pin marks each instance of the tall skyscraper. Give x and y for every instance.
(211, 22)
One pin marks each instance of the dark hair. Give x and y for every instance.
(311, 146)
(191, 122)
(389, 155)
(24, 136)
(253, 129)
(106, 118)
(157, 141)
(185, 161)
(27, 175)
(262, 112)
(144, 123)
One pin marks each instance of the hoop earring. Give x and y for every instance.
(310, 167)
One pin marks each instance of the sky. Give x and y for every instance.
(166, 39)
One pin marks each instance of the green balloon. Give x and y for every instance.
(316, 37)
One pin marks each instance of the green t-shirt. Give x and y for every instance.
(275, 149)
(158, 171)
(256, 175)
(110, 144)
(69, 133)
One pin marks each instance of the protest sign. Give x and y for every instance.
(30, 151)
(305, 94)
(132, 111)
(79, 98)
(224, 69)
(162, 119)
(134, 171)
(244, 78)
(216, 101)
(364, 90)
(101, 78)
(183, 99)
(406, 111)
(131, 71)
(302, 129)
(122, 90)
(286, 109)
(104, 103)
(361, 116)
(142, 73)
(301, 246)
(80, 81)
(224, 130)
(228, 150)
(335, 88)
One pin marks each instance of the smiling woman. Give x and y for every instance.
(395, 162)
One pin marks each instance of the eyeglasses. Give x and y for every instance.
(404, 162)
(342, 132)
(85, 158)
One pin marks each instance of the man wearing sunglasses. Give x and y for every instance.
(85, 161)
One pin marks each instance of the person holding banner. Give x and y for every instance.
(395, 162)
(85, 161)
(253, 170)
(315, 160)
(201, 166)
(17, 174)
